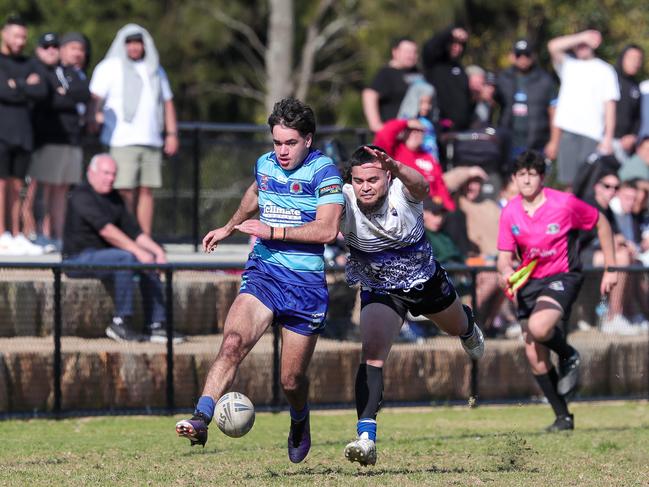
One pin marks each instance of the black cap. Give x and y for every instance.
(523, 46)
(48, 39)
(434, 206)
(137, 37)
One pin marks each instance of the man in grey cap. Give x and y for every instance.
(138, 123)
(527, 96)
(74, 51)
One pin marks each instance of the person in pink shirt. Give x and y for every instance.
(539, 227)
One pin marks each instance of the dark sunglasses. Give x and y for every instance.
(614, 187)
(521, 54)
(47, 46)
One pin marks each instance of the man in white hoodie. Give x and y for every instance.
(133, 102)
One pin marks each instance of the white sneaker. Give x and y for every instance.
(6, 244)
(514, 331)
(25, 247)
(474, 345)
(619, 325)
(361, 450)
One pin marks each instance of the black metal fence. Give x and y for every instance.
(204, 182)
(50, 322)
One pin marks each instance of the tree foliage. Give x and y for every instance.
(214, 51)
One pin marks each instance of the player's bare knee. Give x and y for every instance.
(292, 382)
(232, 348)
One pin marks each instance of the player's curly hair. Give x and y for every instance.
(293, 114)
(530, 159)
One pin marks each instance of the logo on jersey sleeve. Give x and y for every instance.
(263, 184)
(516, 230)
(330, 189)
(553, 229)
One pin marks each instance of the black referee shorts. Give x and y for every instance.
(563, 288)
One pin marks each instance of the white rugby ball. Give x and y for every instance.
(234, 414)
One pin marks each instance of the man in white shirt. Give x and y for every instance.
(136, 122)
(586, 105)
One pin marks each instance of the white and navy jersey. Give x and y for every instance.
(291, 199)
(388, 248)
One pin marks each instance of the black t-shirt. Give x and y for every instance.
(87, 213)
(392, 85)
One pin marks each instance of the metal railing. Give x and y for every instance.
(168, 270)
(197, 137)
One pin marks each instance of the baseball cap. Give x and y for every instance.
(73, 37)
(434, 206)
(136, 37)
(523, 46)
(48, 39)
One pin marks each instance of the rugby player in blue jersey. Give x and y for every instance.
(298, 194)
(392, 261)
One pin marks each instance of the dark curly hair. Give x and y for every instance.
(293, 114)
(530, 159)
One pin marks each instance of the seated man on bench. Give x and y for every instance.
(100, 230)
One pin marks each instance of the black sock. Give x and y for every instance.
(548, 384)
(558, 344)
(470, 322)
(369, 391)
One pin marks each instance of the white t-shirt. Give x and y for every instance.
(107, 83)
(388, 248)
(586, 85)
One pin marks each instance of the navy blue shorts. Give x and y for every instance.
(300, 309)
(431, 297)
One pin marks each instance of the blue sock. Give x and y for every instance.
(206, 406)
(367, 425)
(299, 415)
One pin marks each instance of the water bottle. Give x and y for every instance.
(602, 308)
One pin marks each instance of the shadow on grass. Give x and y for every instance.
(374, 471)
(322, 470)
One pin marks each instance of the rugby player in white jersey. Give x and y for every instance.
(392, 261)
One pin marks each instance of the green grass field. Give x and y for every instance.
(488, 445)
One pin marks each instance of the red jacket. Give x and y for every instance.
(426, 164)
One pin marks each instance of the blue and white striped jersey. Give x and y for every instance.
(290, 199)
(388, 248)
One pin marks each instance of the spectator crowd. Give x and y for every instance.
(463, 126)
(460, 126)
(49, 103)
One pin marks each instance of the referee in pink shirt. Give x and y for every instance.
(539, 226)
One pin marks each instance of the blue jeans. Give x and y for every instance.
(123, 281)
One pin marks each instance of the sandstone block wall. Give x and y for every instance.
(102, 374)
(201, 302)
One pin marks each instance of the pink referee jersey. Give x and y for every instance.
(550, 235)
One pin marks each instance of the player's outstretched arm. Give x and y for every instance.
(248, 207)
(605, 234)
(414, 182)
